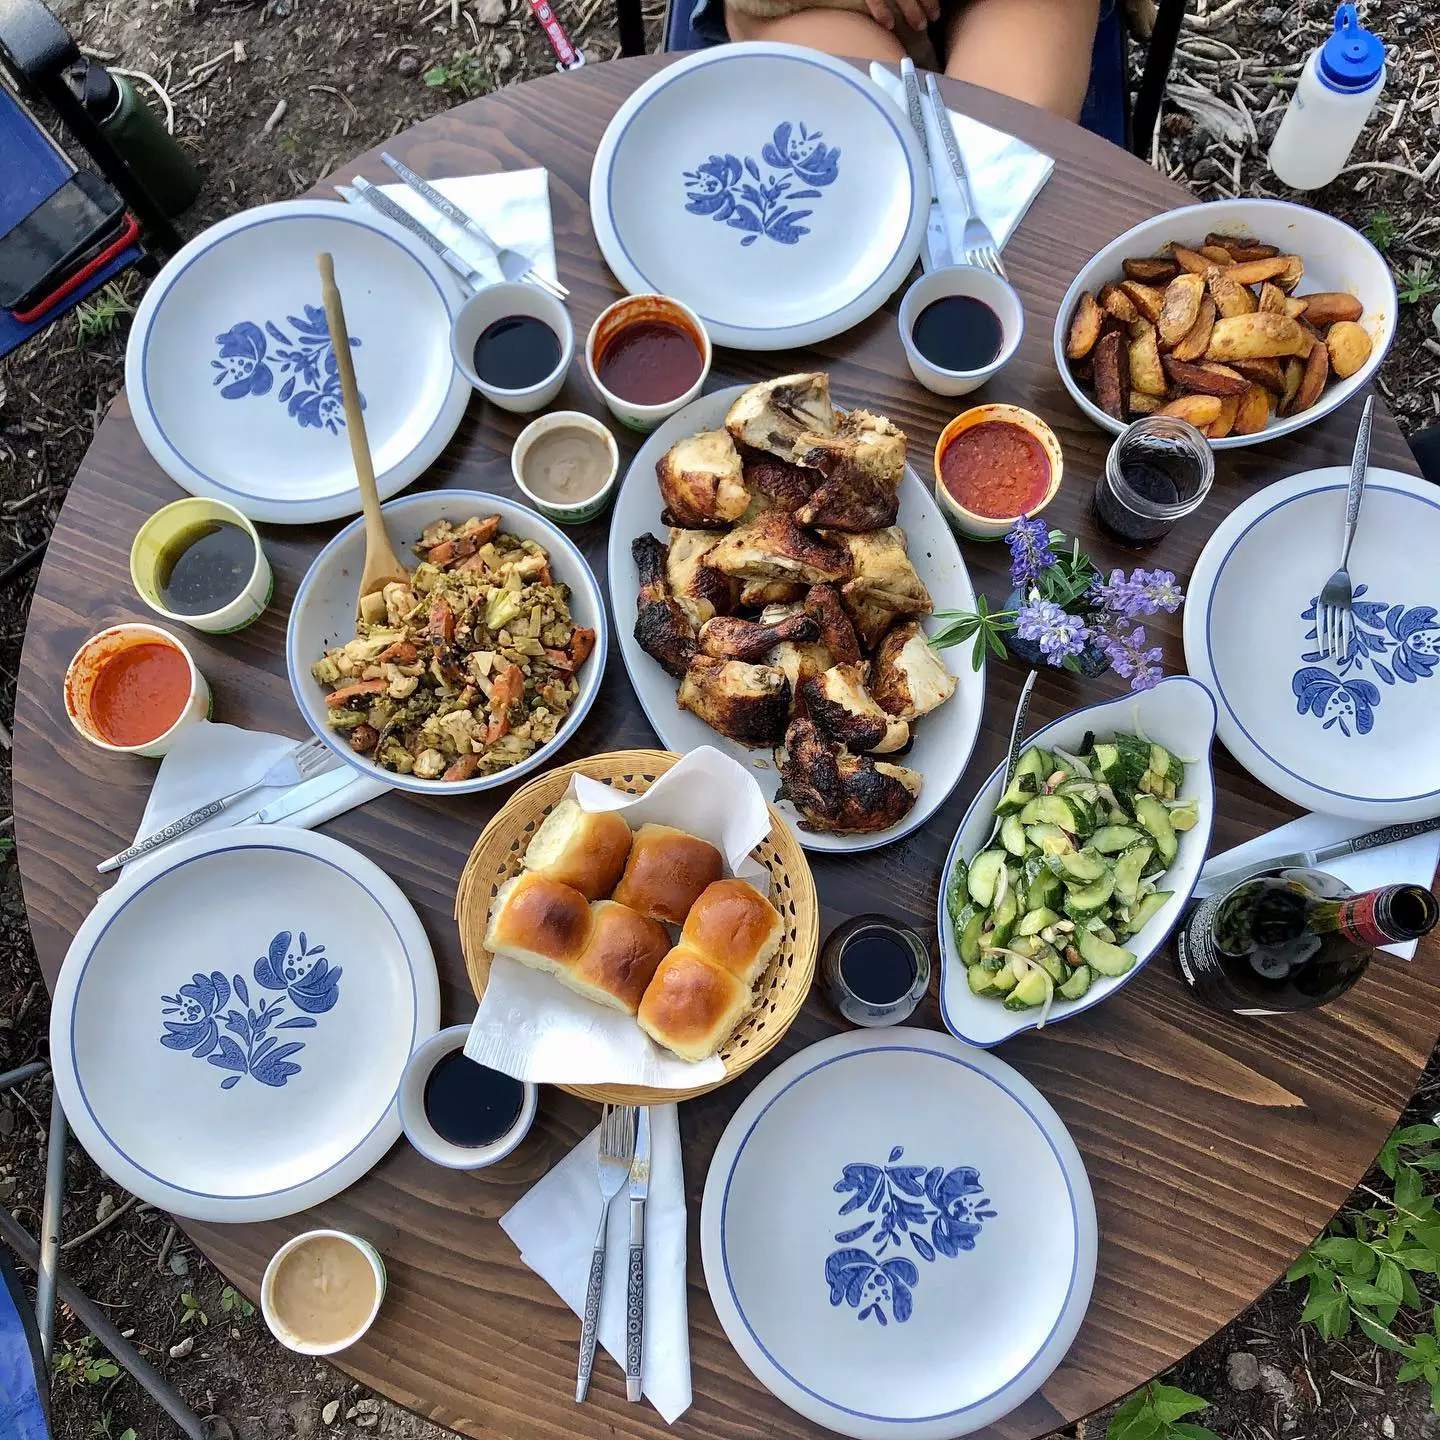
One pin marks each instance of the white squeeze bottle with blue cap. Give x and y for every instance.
(1336, 92)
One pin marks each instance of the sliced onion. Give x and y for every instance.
(1075, 762)
(1049, 1001)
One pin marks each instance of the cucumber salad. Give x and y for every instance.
(1084, 842)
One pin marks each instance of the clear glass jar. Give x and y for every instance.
(875, 970)
(1159, 470)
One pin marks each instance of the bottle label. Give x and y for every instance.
(1358, 921)
(1195, 953)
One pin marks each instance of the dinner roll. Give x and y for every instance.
(666, 872)
(539, 922)
(691, 1006)
(734, 926)
(620, 959)
(580, 848)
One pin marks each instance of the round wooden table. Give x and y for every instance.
(1217, 1148)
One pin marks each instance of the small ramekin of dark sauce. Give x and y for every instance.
(199, 561)
(1158, 471)
(959, 327)
(514, 344)
(458, 1113)
(648, 356)
(875, 971)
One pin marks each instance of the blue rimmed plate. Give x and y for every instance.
(899, 1236)
(1354, 737)
(230, 376)
(775, 190)
(208, 1016)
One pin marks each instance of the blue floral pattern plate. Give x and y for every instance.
(209, 1015)
(776, 191)
(1351, 736)
(899, 1236)
(232, 380)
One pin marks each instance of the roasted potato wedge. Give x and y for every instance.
(1112, 374)
(1293, 273)
(1085, 325)
(1272, 299)
(1146, 372)
(1192, 347)
(1328, 307)
(1253, 337)
(1294, 373)
(1252, 272)
(1150, 270)
(1349, 345)
(1181, 309)
(1204, 379)
(1217, 254)
(1143, 404)
(1254, 412)
(1312, 381)
(1201, 411)
(1114, 301)
(1231, 298)
(1192, 260)
(1224, 423)
(1294, 308)
(1242, 249)
(1146, 299)
(1269, 373)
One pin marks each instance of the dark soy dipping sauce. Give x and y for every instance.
(205, 567)
(470, 1104)
(877, 966)
(650, 363)
(516, 352)
(958, 332)
(1160, 473)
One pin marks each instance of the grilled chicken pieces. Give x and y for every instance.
(838, 702)
(838, 792)
(774, 415)
(771, 546)
(777, 483)
(837, 634)
(748, 703)
(862, 463)
(693, 579)
(884, 586)
(664, 628)
(702, 482)
(731, 638)
(909, 679)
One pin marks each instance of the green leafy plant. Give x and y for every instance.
(101, 316)
(190, 1310)
(76, 1364)
(1381, 230)
(1158, 1412)
(464, 74)
(103, 1426)
(1418, 283)
(232, 1302)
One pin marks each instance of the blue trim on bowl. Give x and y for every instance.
(483, 503)
(90, 955)
(1210, 652)
(341, 218)
(1069, 1191)
(1064, 1009)
(866, 91)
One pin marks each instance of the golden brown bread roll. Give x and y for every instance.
(666, 872)
(734, 926)
(539, 922)
(579, 848)
(692, 1006)
(620, 959)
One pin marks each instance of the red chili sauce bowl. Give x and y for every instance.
(993, 464)
(648, 356)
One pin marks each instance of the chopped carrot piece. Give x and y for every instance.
(582, 642)
(442, 622)
(347, 693)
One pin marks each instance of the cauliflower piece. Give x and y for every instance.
(399, 601)
(429, 765)
(401, 686)
(460, 729)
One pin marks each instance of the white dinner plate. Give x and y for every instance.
(231, 378)
(231, 1023)
(899, 1235)
(776, 191)
(943, 739)
(1354, 737)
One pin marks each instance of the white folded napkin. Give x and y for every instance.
(1005, 174)
(209, 760)
(512, 206)
(553, 1226)
(532, 1027)
(1411, 862)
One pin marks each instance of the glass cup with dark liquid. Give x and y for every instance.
(1159, 470)
(875, 971)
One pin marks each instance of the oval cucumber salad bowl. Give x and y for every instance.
(1057, 891)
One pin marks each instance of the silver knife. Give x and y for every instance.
(635, 1281)
(310, 793)
(448, 208)
(372, 195)
(1308, 859)
(937, 239)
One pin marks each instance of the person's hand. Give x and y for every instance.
(917, 13)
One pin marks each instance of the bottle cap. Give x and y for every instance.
(1352, 57)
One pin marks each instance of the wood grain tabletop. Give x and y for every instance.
(1217, 1148)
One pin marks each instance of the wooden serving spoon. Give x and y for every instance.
(382, 564)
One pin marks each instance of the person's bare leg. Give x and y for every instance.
(836, 32)
(1035, 50)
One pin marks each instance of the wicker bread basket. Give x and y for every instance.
(780, 991)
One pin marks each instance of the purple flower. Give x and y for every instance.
(1142, 592)
(1058, 633)
(1030, 553)
(1129, 657)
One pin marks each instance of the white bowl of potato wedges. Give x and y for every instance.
(1249, 318)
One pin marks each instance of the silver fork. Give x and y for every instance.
(617, 1150)
(977, 244)
(1334, 619)
(308, 759)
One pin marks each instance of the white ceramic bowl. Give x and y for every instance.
(424, 1136)
(1179, 714)
(497, 302)
(992, 290)
(323, 616)
(280, 1330)
(632, 310)
(579, 511)
(1336, 257)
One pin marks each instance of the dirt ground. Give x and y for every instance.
(349, 73)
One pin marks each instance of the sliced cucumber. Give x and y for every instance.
(1103, 957)
(956, 894)
(1031, 990)
(1160, 759)
(984, 873)
(1185, 815)
(1083, 865)
(1050, 810)
(1111, 839)
(1144, 912)
(1076, 985)
(968, 938)
(1035, 763)
(1085, 900)
(980, 980)
(1049, 839)
(1012, 835)
(1084, 813)
(1022, 789)
(1004, 916)
(1052, 964)
(1128, 869)
(1096, 926)
(1156, 819)
(1086, 790)
(1034, 921)
(1043, 889)
(1003, 979)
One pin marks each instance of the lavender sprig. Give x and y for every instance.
(1142, 592)
(1129, 656)
(1058, 633)
(1030, 552)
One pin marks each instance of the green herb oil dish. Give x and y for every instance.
(1103, 831)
